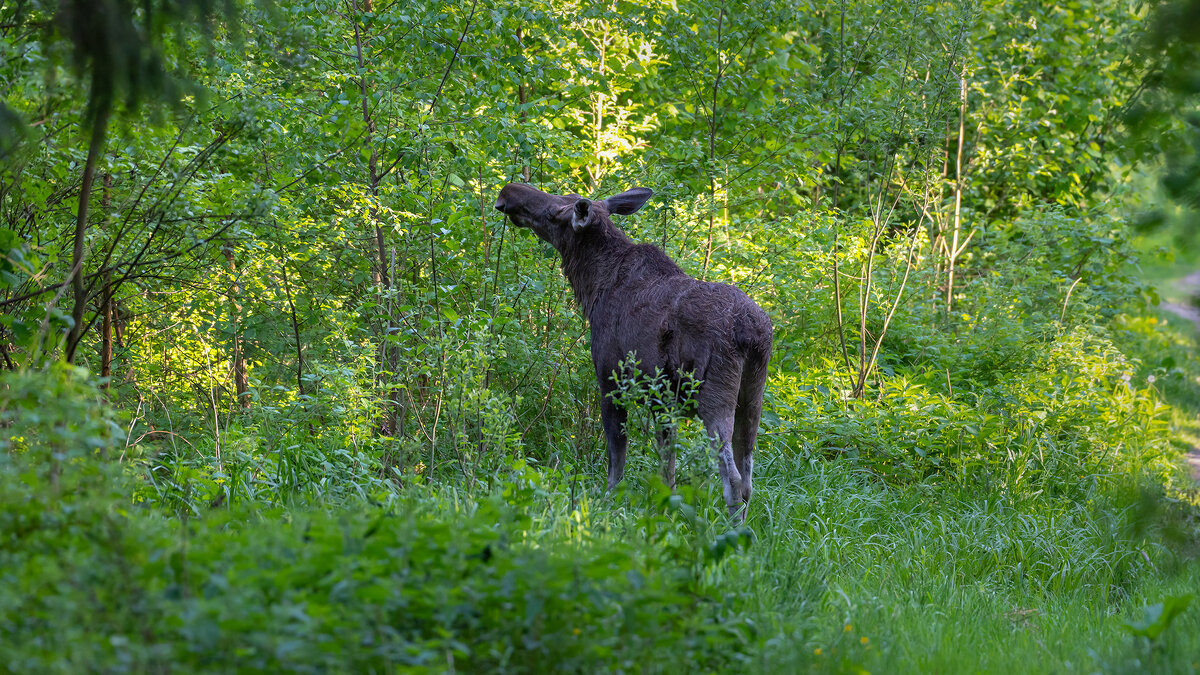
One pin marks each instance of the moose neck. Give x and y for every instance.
(590, 263)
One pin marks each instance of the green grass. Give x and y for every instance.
(843, 574)
(941, 583)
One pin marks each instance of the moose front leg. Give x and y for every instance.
(665, 431)
(613, 418)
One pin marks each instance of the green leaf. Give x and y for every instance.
(1157, 618)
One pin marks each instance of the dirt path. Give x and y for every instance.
(1190, 285)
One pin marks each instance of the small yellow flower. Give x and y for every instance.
(817, 651)
(576, 631)
(863, 639)
(849, 628)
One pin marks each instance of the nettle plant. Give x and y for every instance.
(656, 407)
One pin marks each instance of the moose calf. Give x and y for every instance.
(638, 300)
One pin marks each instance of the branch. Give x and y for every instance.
(454, 57)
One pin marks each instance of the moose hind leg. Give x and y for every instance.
(613, 418)
(745, 432)
(747, 418)
(720, 432)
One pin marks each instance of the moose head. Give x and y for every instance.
(560, 219)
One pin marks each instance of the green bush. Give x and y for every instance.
(90, 584)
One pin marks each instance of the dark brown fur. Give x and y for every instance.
(638, 300)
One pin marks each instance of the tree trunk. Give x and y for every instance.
(99, 111)
(525, 168)
(712, 149)
(241, 383)
(106, 305)
(386, 357)
(955, 250)
(287, 289)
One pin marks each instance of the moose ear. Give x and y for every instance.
(628, 201)
(583, 216)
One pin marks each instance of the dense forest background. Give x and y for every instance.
(282, 391)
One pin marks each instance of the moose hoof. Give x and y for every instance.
(737, 513)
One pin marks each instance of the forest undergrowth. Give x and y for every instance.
(1039, 524)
